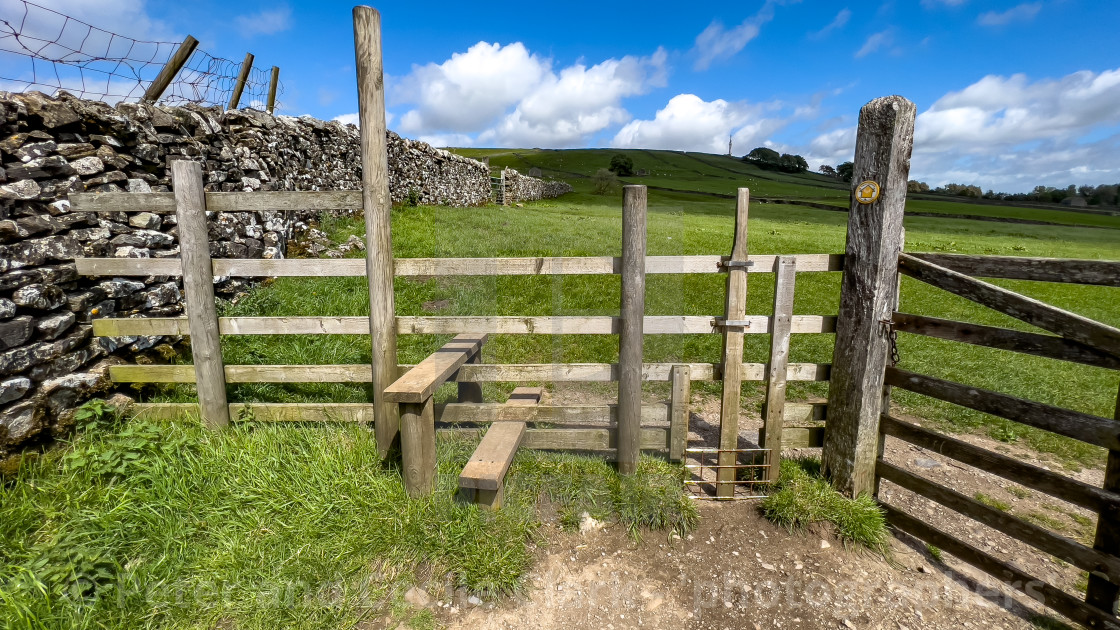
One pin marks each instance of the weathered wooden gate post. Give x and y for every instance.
(631, 327)
(377, 206)
(867, 295)
(198, 285)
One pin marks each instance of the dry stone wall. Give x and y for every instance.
(520, 187)
(51, 147)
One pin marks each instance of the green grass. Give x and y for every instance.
(165, 524)
(992, 502)
(802, 497)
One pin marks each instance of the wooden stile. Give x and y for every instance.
(420, 382)
(469, 391)
(732, 355)
(1050, 318)
(867, 295)
(786, 267)
(679, 411)
(631, 327)
(198, 285)
(418, 447)
(377, 208)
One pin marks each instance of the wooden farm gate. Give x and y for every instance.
(864, 373)
(1078, 339)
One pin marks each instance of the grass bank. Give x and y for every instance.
(165, 524)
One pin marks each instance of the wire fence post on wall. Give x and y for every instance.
(272, 89)
(242, 76)
(48, 51)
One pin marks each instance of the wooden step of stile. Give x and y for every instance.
(483, 478)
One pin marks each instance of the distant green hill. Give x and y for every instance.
(681, 174)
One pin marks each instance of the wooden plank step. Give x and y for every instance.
(418, 384)
(491, 460)
(523, 396)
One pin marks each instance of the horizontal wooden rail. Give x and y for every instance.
(573, 414)
(1005, 339)
(1036, 313)
(1040, 538)
(424, 267)
(573, 439)
(419, 383)
(1071, 270)
(469, 373)
(1065, 488)
(798, 437)
(1050, 596)
(259, 201)
(1079, 426)
(603, 325)
(600, 440)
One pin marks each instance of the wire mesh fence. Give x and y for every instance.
(45, 50)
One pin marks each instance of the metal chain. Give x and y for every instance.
(892, 335)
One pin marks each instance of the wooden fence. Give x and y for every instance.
(211, 376)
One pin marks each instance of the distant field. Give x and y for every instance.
(709, 173)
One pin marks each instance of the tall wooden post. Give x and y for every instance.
(174, 65)
(198, 284)
(377, 206)
(1102, 593)
(272, 89)
(242, 77)
(867, 295)
(631, 327)
(732, 356)
(784, 277)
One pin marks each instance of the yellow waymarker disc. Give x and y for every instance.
(867, 192)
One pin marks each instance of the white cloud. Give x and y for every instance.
(1011, 133)
(1021, 13)
(716, 42)
(874, 42)
(837, 22)
(509, 97)
(689, 123)
(932, 4)
(470, 90)
(352, 119)
(266, 22)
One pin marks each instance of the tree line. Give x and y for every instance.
(1103, 195)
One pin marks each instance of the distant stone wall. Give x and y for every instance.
(520, 187)
(51, 147)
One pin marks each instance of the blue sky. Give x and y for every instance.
(1010, 94)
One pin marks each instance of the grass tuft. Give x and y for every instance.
(802, 497)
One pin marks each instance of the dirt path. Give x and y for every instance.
(737, 570)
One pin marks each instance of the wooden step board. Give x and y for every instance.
(482, 479)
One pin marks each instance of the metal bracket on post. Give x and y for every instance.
(734, 264)
(731, 323)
